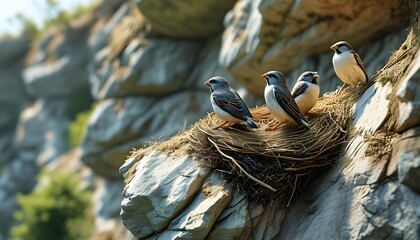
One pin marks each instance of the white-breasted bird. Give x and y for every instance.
(347, 64)
(227, 104)
(280, 102)
(306, 91)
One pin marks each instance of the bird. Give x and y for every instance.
(348, 65)
(227, 104)
(306, 91)
(280, 102)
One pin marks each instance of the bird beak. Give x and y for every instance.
(207, 83)
(316, 76)
(334, 47)
(265, 76)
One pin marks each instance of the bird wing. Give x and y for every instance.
(243, 105)
(360, 63)
(286, 101)
(232, 103)
(299, 89)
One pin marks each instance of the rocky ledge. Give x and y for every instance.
(371, 192)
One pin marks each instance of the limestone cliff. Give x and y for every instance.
(143, 64)
(371, 192)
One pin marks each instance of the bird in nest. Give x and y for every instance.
(227, 104)
(348, 65)
(280, 102)
(306, 91)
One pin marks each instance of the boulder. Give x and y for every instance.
(57, 63)
(233, 220)
(144, 68)
(186, 19)
(61, 78)
(58, 68)
(196, 220)
(155, 195)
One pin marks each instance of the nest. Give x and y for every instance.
(269, 165)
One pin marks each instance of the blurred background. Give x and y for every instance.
(83, 83)
(20, 14)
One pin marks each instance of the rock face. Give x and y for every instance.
(147, 206)
(55, 77)
(56, 66)
(264, 35)
(133, 129)
(372, 192)
(379, 208)
(138, 84)
(186, 19)
(137, 70)
(144, 63)
(12, 52)
(138, 75)
(12, 101)
(137, 78)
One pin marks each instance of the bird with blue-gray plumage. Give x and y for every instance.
(306, 91)
(280, 102)
(227, 104)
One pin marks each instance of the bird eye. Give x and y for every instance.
(212, 81)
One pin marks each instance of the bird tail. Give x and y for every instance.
(250, 123)
(306, 124)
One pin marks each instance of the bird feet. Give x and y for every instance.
(339, 90)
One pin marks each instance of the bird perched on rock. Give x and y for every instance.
(227, 104)
(280, 102)
(306, 91)
(347, 64)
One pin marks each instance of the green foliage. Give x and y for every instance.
(29, 27)
(63, 18)
(77, 127)
(78, 110)
(58, 210)
(56, 16)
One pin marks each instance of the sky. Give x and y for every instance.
(33, 9)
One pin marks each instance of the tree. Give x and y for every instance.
(57, 210)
